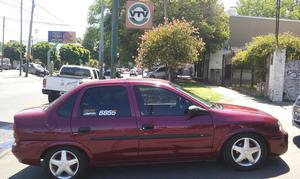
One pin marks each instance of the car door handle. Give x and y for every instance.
(84, 130)
(147, 127)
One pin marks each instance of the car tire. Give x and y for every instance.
(245, 151)
(52, 97)
(65, 162)
(151, 76)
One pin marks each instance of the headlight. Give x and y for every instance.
(279, 125)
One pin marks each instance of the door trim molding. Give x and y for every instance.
(153, 136)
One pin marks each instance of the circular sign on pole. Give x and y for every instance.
(139, 14)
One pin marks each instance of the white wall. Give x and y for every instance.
(276, 76)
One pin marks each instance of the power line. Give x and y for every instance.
(13, 5)
(45, 22)
(49, 12)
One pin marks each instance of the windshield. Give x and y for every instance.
(38, 66)
(201, 100)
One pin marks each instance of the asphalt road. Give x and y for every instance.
(17, 93)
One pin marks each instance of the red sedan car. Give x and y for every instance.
(132, 121)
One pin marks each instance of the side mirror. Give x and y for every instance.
(196, 111)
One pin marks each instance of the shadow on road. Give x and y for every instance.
(296, 141)
(273, 168)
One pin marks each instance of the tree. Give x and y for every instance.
(93, 63)
(74, 54)
(261, 47)
(40, 51)
(289, 8)
(207, 16)
(171, 44)
(12, 50)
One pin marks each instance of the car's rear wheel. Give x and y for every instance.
(245, 151)
(65, 162)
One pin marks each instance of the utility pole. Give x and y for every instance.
(29, 39)
(114, 36)
(278, 4)
(101, 41)
(21, 34)
(2, 47)
(166, 11)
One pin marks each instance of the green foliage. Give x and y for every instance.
(74, 54)
(93, 63)
(12, 50)
(207, 16)
(261, 47)
(40, 50)
(172, 44)
(267, 8)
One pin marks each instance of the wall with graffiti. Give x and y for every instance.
(292, 80)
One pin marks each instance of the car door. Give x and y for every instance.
(166, 131)
(105, 123)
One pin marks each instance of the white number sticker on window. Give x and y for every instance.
(108, 112)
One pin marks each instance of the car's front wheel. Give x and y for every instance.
(245, 151)
(65, 162)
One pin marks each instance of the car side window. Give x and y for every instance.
(65, 110)
(155, 101)
(161, 69)
(106, 101)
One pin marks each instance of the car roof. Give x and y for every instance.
(135, 81)
(83, 67)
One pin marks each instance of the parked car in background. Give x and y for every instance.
(133, 72)
(107, 74)
(36, 69)
(69, 77)
(141, 121)
(6, 64)
(160, 73)
(296, 113)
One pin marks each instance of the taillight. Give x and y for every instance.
(44, 83)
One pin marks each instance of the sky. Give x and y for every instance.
(50, 15)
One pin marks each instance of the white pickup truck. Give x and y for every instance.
(69, 77)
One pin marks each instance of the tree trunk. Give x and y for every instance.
(169, 73)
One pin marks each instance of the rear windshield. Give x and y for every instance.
(75, 71)
(107, 73)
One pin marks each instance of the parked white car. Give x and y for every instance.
(160, 72)
(69, 77)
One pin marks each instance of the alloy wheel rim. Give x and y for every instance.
(64, 164)
(246, 152)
